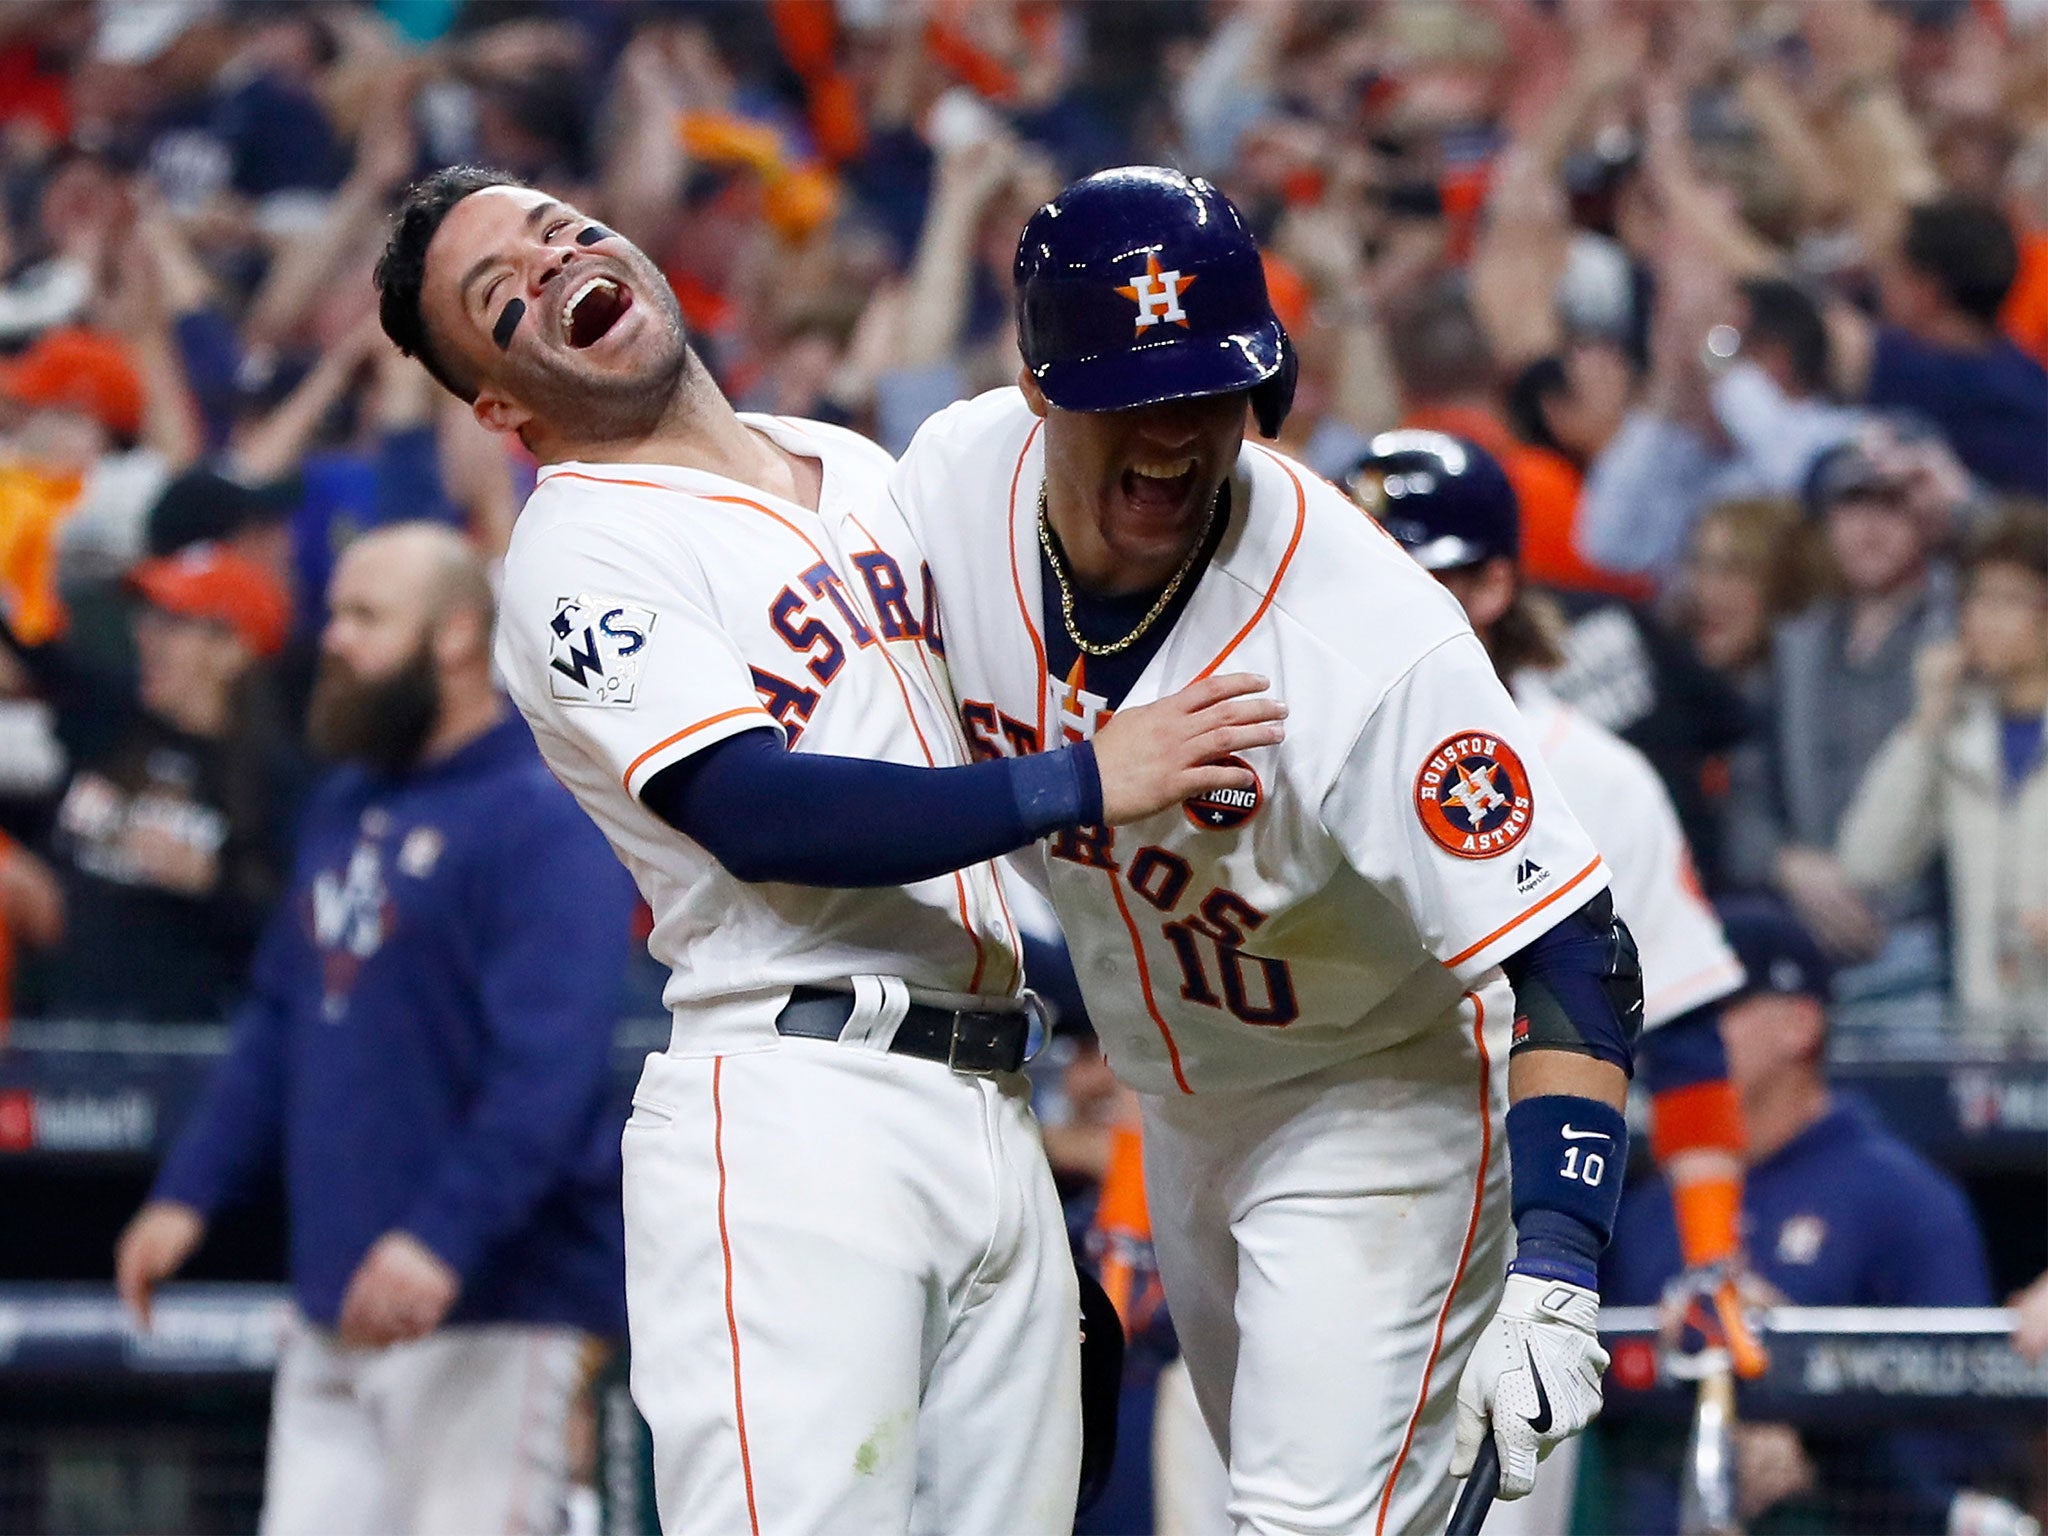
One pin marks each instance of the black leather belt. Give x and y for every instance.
(975, 1043)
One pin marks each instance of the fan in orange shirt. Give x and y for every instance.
(2025, 316)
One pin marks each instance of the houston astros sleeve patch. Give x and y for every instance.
(1473, 796)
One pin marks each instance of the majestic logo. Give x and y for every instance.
(1528, 875)
(1219, 810)
(1473, 796)
(594, 649)
(1157, 295)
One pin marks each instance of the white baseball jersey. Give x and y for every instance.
(1403, 840)
(648, 612)
(851, 1301)
(1620, 801)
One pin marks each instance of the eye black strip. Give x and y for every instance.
(508, 322)
(592, 233)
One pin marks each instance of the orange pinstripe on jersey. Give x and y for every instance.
(1145, 980)
(1017, 578)
(1443, 1314)
(689, 730)
(1273, 586)
(1560, 727)
(638, 485)
(1515, 922)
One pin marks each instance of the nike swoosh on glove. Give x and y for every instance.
(1535, 1377)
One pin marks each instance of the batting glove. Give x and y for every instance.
(1535, 1378)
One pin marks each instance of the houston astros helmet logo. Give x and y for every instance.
(1473, 796)
(1218, 810)
(1157, 294)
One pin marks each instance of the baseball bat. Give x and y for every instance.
(1477, 1497)
(1707, 1501)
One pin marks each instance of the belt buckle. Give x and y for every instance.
(953, 1061)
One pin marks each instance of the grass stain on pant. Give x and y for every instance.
(883, 1443)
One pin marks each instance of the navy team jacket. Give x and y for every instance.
(427, 1042)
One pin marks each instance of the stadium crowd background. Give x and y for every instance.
(1750, 296)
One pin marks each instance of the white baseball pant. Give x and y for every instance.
(1190, 1484)
(1331, 1248)
(463, 1432)
(851, 1299)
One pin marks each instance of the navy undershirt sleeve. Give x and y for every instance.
(806, 818)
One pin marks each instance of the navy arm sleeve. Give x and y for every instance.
(552, 919)
(807, 818)
(237, 1132)
(1579, 987)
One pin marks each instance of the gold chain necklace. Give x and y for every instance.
(1059, 573)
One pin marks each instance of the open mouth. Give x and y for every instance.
(1159, 489)
(593, 309)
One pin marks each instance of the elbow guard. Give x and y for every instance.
(1579, 987)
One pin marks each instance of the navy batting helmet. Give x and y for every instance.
(1140, 285)
(1446, 499)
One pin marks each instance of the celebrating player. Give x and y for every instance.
(850, 1300)
(1451, 506)
(1298, 977)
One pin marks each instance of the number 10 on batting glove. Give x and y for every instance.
(1534, 1379)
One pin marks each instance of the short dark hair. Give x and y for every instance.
(1966, 246)
(1785, 313)
(2018, 535)
(402, 269)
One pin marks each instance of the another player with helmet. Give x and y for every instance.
(1452, 507)
(1298, 979)
(848, 1289)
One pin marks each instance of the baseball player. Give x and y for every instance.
(1297, 977)
(849, 1295)
(1452, 507)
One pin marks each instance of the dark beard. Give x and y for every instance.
(381, 721)
(604, 410)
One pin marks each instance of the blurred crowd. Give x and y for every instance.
(1750, 297)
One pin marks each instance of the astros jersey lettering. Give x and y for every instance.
(1402, 841)
(651, 610)
(1622, 803)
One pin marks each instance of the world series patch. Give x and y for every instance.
(594, 649)
(1473, 796)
